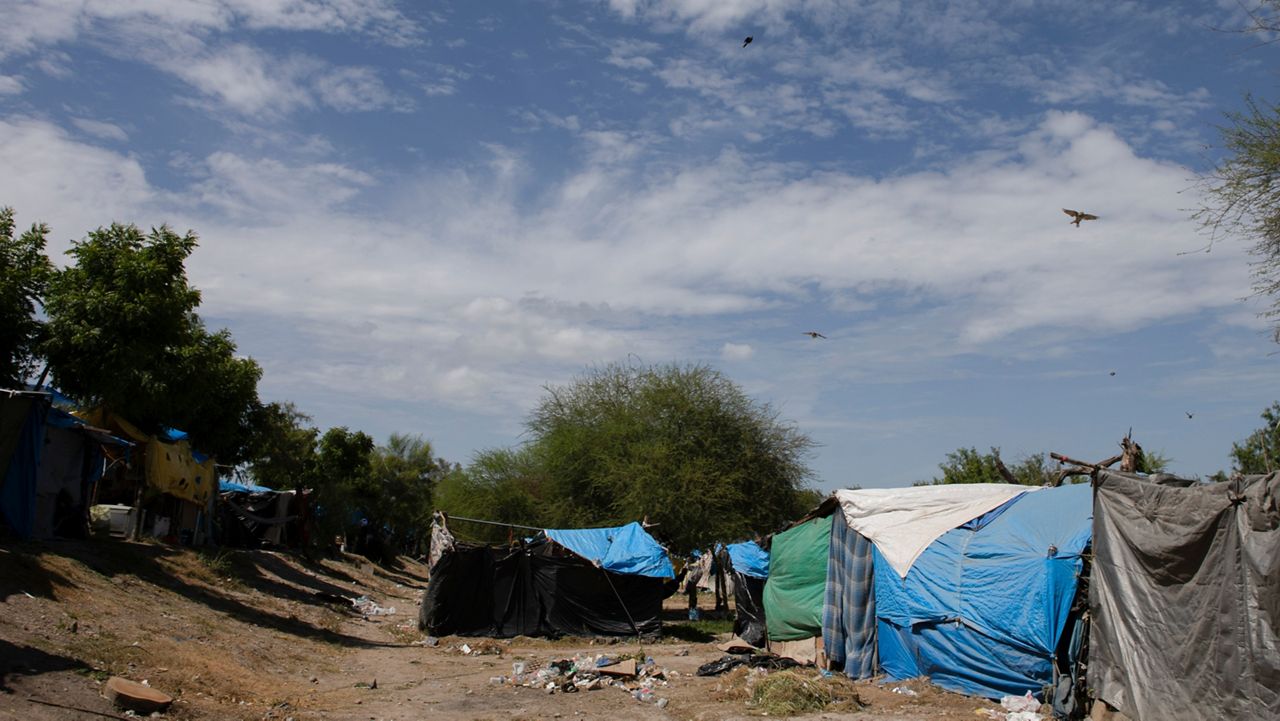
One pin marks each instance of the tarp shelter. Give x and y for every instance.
(250, 515)
(49, 463)
(170, 463)
(1185, 598)
(581, 582)
(794, 593)
(982, 609)
(750, 566)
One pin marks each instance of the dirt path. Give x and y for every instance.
(261, 635)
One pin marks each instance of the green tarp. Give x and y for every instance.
(797, 584)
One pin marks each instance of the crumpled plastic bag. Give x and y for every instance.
(1020, 703)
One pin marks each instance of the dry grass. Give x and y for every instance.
(787, 693)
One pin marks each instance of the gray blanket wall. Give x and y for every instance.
(1185, 598)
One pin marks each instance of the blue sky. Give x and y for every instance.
(416, 216)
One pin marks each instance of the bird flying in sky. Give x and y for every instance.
(747, 41)
(1078, 216)
(1190, 414)
(815, 334)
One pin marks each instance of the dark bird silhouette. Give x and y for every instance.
(747, 41)
(1113, 372)
(1190, 414)
(1078, 216)
(815, 334)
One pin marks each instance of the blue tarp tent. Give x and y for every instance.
(749, 559)
(983, 608)
(628, 550)
(49, 461)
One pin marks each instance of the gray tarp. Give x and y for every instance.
(1185, 598)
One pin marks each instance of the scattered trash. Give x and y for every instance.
(1026, 702)
(587, 672)
(366, 606)
(465, 649)
(681, 652)
(759, 660)
(134, 696)
(904, 691)
(431, 641)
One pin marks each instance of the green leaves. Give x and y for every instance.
(1260, 452)
(24, 275)
(682, 445)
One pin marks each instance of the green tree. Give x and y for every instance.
(398, 491)
(343, 465)
(123, 334)
(282, 451)
(1242, 195)
(24, 274)
(682, 445)
(1260, 452)
(967, 465)
(502, 485)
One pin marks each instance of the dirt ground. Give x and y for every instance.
(262, 635)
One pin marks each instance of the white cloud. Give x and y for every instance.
(37, 23)
(453, 286)
(356, 89)
(100, 129)
(11, 85)
(55, 177)
(737, 351)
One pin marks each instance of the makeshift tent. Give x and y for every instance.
(982, 609)
(1185, 598)
(794, 593)
(582, 582)
(51, 461)
(849, 608)
(749, 564)
(170, 463)
(250, 515)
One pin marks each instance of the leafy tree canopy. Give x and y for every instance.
(398, 492)
(967, 465)
(24, 274)
(123, 333)
(282, 453)
(1260, 452)
(681, 445)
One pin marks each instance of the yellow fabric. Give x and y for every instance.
(170, 467)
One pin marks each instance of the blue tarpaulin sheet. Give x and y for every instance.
(981, 610)
(625, 549)
(749, 558)
(18, 487)
(226, 486)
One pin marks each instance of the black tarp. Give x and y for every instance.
(1185, 598)
(536, 589)
(748, 602)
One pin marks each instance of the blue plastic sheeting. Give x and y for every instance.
(18, 492)
(749, 558)
(171, 435)
(625, 549)
(225, 486)
(982, 611)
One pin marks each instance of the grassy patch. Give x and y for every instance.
(701, 631)
(787, 693)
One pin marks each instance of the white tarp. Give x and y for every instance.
(902, 522)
